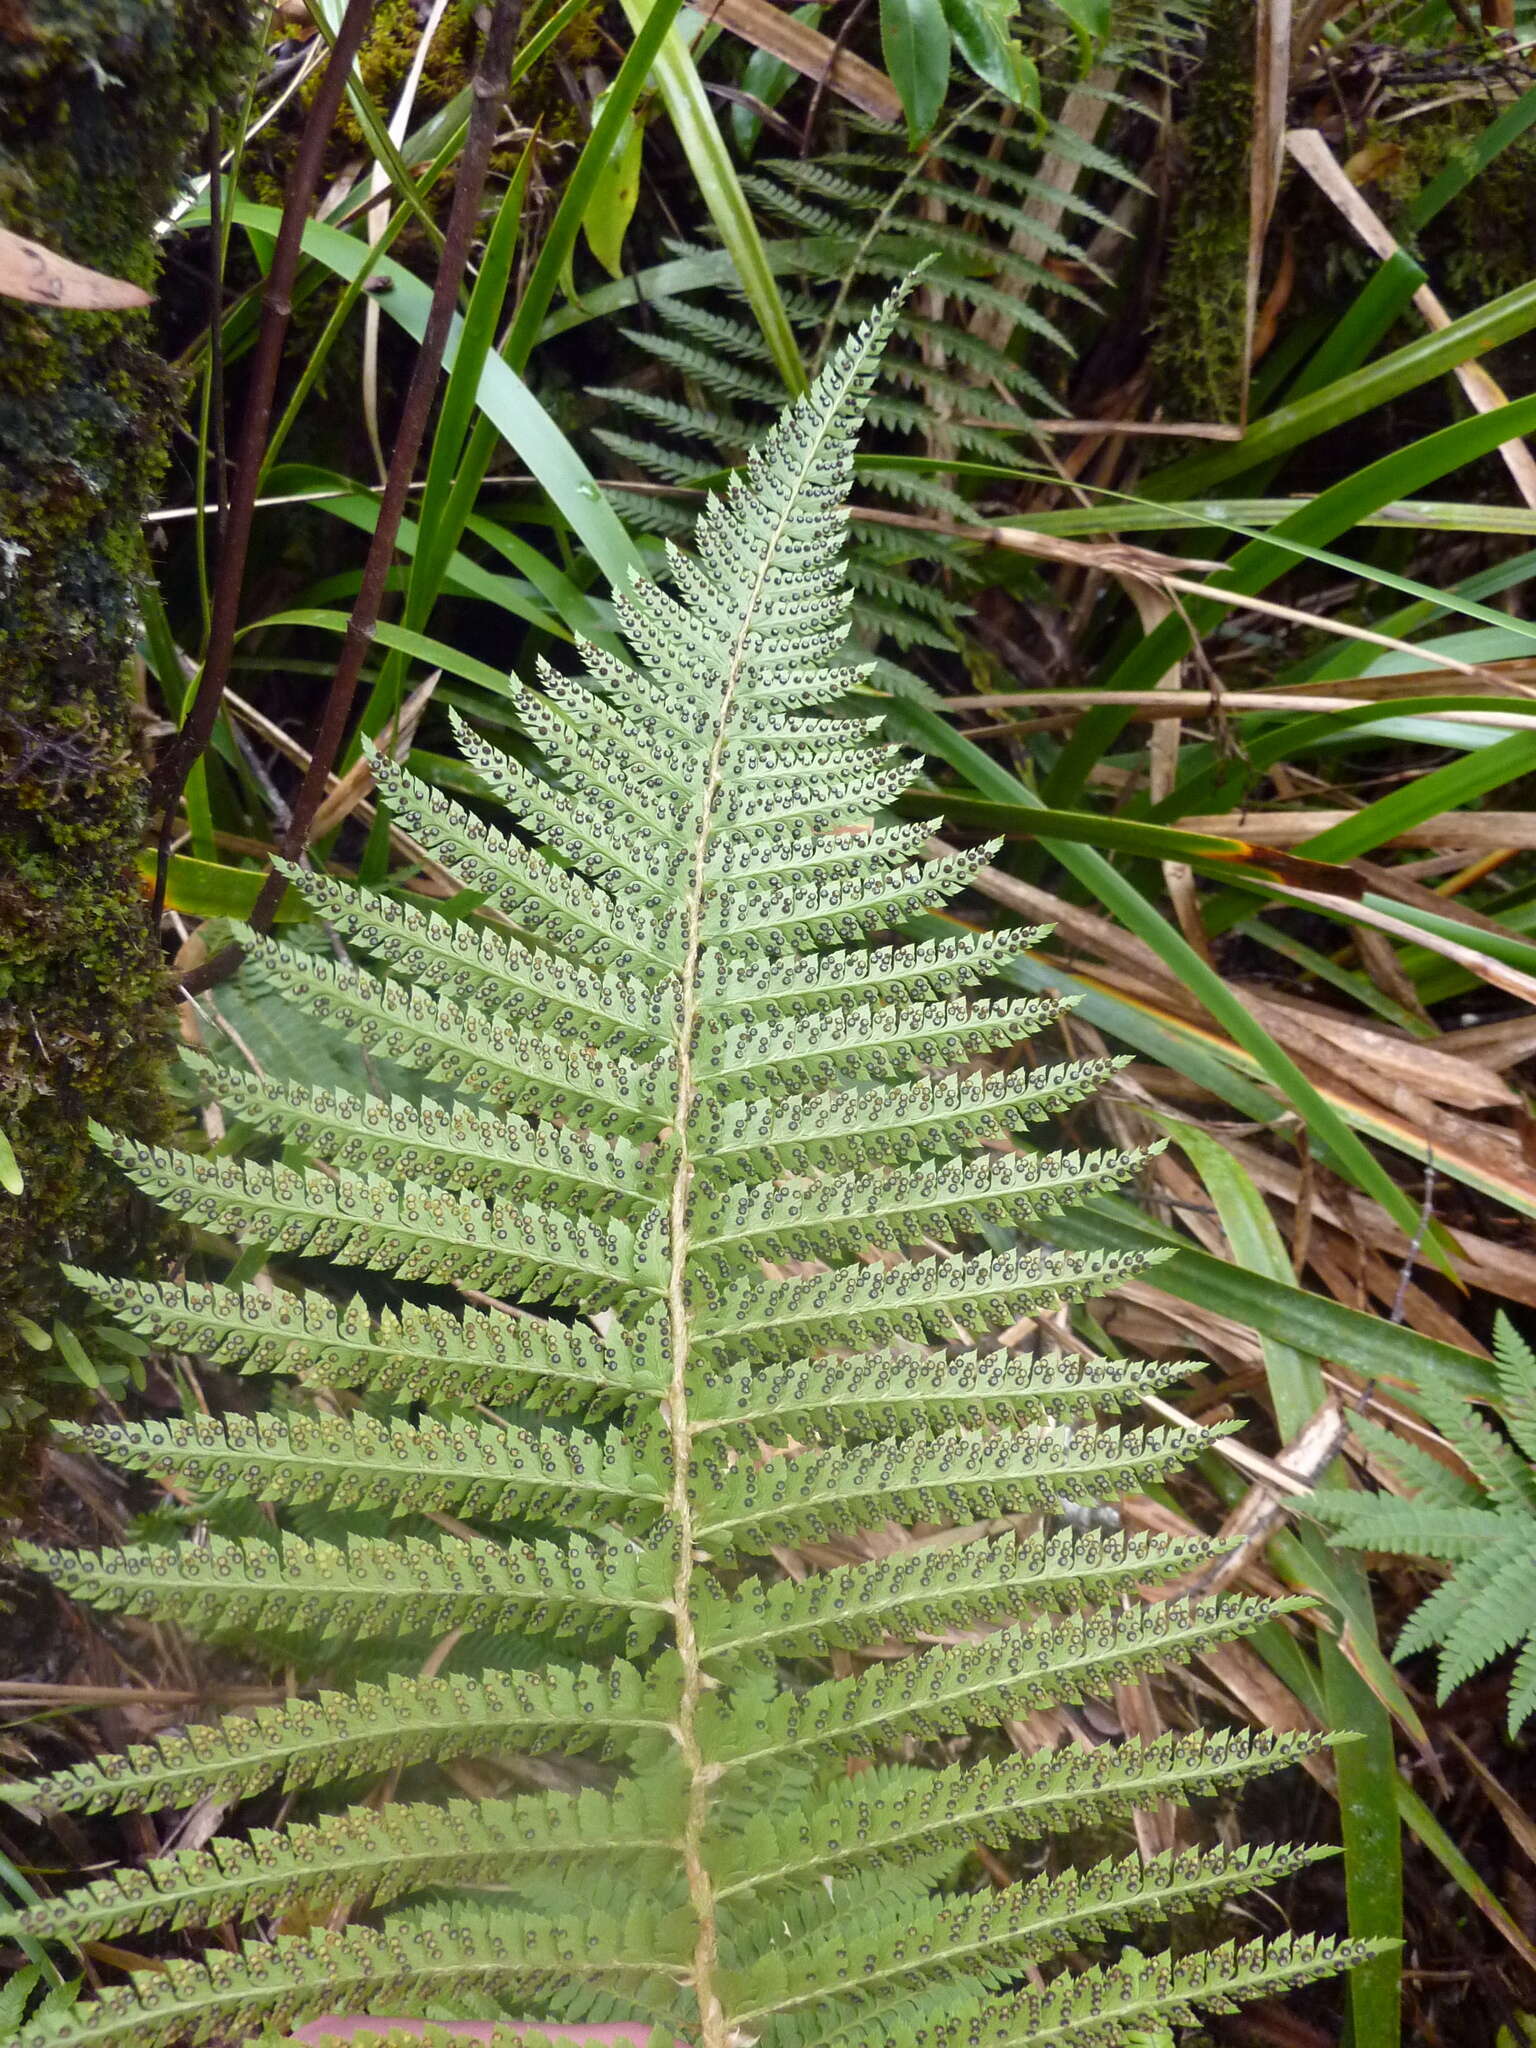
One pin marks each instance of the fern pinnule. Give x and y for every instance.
(675, 1233)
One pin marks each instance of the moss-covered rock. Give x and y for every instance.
(99, 100)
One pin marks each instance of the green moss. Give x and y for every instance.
(540, 101)
(1199, 341)
(96, 105)
(1480, 245)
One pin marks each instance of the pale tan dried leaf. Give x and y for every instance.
(41, 277)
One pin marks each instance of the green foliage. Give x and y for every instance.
(1482, 1524)
(663, 1085)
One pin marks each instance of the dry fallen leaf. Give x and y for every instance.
(31, 272)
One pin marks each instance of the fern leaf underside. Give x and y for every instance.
(685, 1045)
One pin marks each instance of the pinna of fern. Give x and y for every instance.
(1480, 1522)
(684, 1042)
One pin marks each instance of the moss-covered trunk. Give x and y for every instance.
(1201, 343)
(98, 102)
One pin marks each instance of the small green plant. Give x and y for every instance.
(570, 1419)
(1482, 1525)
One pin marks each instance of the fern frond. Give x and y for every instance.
(297, 1978)
(1483, 1525)
(1427, 1477)
(890, 1210)
(987, 1938)
(409, 1229)
(1102, 2007)
(367, 1856)
(679, 1047)
(469, 1048)
(878, 1396)
(930, 1591)
(1514, 1365)
(820, 1494)
(436, 1143)
(926, 1298)
(1000, 239)
(1491, 1617)
(473, 963)
(932, 968)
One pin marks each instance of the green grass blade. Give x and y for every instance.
(719, 187)
(399, 639)
(1451, 788)
(1397, 1356)
(1469, 161)
(1367, 1769)
(1124, 835)
(502, 394)
(1331, 513)
(1360, 391)
(653, 32)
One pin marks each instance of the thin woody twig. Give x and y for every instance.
(490, 86)
(235, 537)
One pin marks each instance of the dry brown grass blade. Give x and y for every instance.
(1485, 1154)
(1493, 1045)
(1117, 558)
(1486, 1263)
(1080, 116)
(299, 755)
(1153, 606)
(346, 792)
(1146, 707)
(808, 51)
(1465, 831)
(1272, 29)
(1521, 1827)
(1309, 149)
(1436, 1076)
(41, 277)
(39, 1695)
(1264, 1507)
(1497, 973)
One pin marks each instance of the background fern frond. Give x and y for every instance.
(1481, 1521)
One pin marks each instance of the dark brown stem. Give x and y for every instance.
(846, 28)
(490, 94)
(216, 320)
(235, 536)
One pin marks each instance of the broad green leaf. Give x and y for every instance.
(914, 37)
(615, 194)
(206, 888)
(981, 29)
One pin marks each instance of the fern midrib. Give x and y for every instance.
(701, 1892)
(702, 1775)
